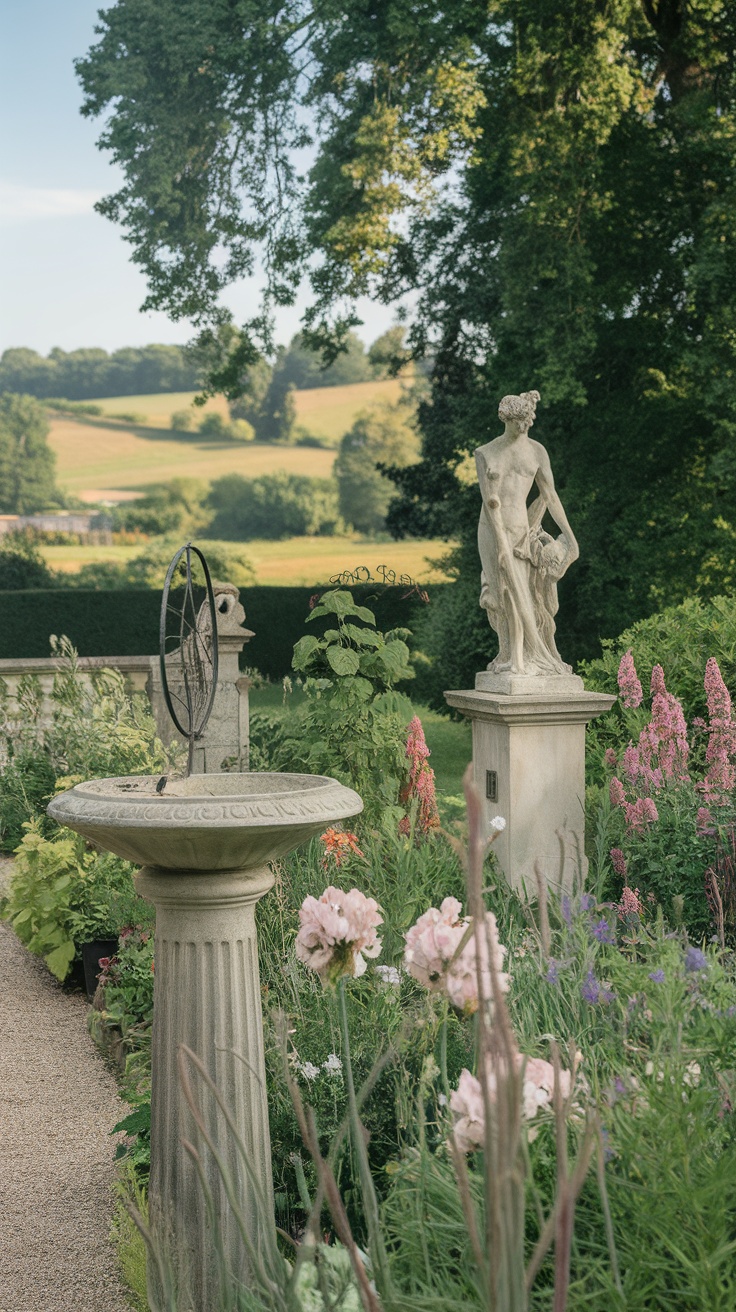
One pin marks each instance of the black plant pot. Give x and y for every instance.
(91, 953)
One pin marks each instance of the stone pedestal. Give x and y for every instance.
(207, 996)
(529, 767)
(225, 743)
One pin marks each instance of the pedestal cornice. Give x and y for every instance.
(534, 708)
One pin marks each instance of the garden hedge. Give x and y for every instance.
(124, 622)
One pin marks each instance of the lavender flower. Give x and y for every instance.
(695, 960)
(657, 976)
(587, 902)
(591, 989)
(603, 932)
(553, 972)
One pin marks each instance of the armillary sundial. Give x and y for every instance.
(204, 844)
(187, 649)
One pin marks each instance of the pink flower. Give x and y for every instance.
(537, 1094)
(628, 682)
(336, 931)
(434, 957)
(630, 904)
(721, 776)
(704, 822)
(610, 758)
(421, 783)
(618, 861)
(616, 792)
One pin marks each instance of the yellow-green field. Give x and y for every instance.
(100, 459)
(96, 461)
(293, 561)
(327, 412)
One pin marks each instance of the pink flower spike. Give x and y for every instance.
(421, 783)
(628, 682)
(720, 779)
(337, 931)
(704, 823)
(618, 861)
(616, 791)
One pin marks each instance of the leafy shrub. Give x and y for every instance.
(213, 425)
(93, 728)
(353, 725)
(22, 565)
(182, 421)
(72, 407)
(273, 506)
(680, 639)
(62, 895)
(241, 431)
(148, 570)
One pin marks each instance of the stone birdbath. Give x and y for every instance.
(204, 844)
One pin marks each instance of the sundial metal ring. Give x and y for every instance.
(188, 646)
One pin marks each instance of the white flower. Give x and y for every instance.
(333, 1065)
(442, 1099)
(692, 1074)
(388, 974)
(308, 1070)
(497, 825)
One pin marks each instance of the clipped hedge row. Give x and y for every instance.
(124, 622)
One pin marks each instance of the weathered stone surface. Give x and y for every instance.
(521, 563)
(530, 751)
(205, 844)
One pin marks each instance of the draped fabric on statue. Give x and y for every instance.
(519, 590)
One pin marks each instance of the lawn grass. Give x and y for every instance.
(294, 561)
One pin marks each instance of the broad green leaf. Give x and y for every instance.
(361, 637)
(333, 603)
(303, 649)
(343, 660)
(61, 959)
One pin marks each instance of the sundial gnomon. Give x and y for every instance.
(188, 645)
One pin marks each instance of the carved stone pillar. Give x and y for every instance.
(207, 996)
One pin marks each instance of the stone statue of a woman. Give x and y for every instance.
(521, 563)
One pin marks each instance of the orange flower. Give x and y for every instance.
(339, 844)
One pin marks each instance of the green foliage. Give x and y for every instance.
(303, 368)
(182, 421)
(70, 407)
(680, 639)
(26, 459)
(552, 192)
(389, 352)
(62, 895)
(384, 435)
(148, 570)
(213, 425)
(94, 729)
(21, 563)
(131, 371)
(174, 507)
(273, 506)
(353, 722)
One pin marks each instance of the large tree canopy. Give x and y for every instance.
(552, 187)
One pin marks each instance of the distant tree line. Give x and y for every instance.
(139, 371)
(82, 375)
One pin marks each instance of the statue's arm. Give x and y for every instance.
(546, 485)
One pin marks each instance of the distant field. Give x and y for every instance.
(100, 460)
(294, 561)
(326, 412)
(95, 461)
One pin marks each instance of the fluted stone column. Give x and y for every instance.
(207, 996)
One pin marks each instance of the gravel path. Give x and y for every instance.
(58, 1103)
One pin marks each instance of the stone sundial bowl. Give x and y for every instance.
(206, 822)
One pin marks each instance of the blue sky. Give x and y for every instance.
(65, 276)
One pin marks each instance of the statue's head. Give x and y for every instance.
(521, 408)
